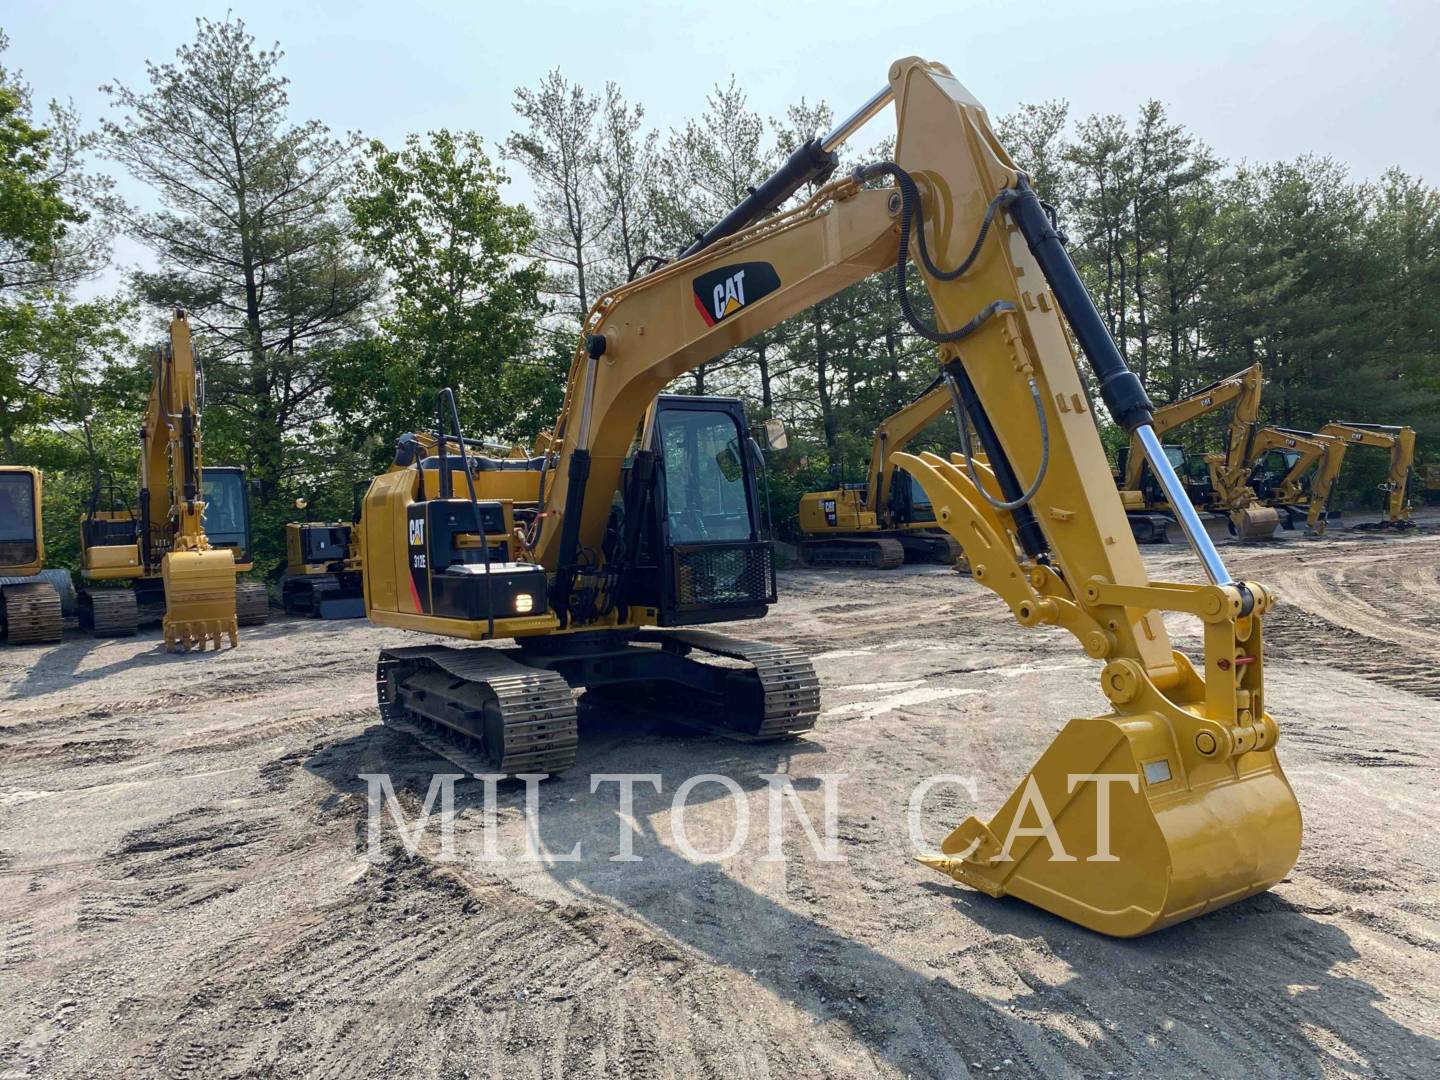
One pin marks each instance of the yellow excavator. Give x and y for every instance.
(1218, 481)
(886, 520)
(322, 568)
(1283, 463)
(1400, 441)
(636, 520)
(176, 552)
(30, 610)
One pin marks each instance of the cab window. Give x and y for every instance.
(18, 542)
(226, 523)
(705, 489)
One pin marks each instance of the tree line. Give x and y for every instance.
(336, 283)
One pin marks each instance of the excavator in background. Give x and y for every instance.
(887, 520)
(1282, 461)
(1400, 441)
(175, 553)
(322, 568)
(636, 521)
(29, 610)
(1218, 481)
(1430, 477)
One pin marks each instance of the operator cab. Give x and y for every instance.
(1270, 470)
(702, 554)
(909, 505)
(227, 510)
(19, 537)
(1191, 468)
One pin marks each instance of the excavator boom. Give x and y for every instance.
(199, 579)
(1304, 452)
(173, 554)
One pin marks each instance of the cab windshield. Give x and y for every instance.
(17, 519)
(226, 514)
(705, 489)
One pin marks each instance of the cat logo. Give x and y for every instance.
(722, 292)
(417, 532)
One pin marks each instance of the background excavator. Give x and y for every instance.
(176, 552)
(1282, 463)
(322, 567)
(887, 520)
(1400, 441)
(1217, 481)
(29, 610)
(637, 519)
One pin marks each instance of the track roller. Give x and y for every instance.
(931, 547)
(1150, 528)
(776, 697)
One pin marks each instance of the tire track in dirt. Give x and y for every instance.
(1365, 611)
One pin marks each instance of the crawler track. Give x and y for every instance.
(109, 612)
(479, 708)
(252, 603)
(32, 612)
(873, 553)
(788, 691)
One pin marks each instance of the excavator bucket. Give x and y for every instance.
(1255, 522)
(199, 599)
(1161, 810)
(1111, 831)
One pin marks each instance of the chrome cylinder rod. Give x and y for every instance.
(856, 120)
(1190, 523)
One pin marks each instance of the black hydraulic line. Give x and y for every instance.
(579, 475)
(642, 473)
(811, 163)
(912, 217)
(187, 443)
(1032, 538)
(1120, 388)
(570, 533)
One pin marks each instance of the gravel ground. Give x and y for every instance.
(186, 887)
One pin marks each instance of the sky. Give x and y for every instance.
(1258, 80)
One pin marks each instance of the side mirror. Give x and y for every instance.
(775, 437)
(301, 504)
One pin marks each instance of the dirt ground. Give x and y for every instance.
(185, 888)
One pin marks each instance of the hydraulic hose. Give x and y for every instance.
(1030, 492)
(910, 209)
